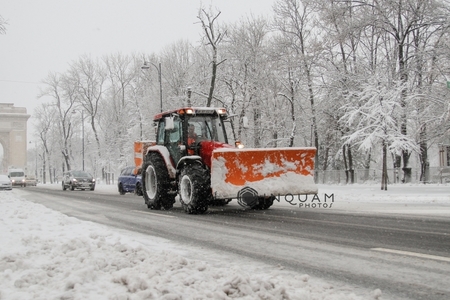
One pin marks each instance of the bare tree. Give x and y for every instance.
(3, 24)
(401, 20)
(294, 19)
(247, 76)
(214, 37)
(64, 97)
(45, 115)
(89, 78)
(375, 121)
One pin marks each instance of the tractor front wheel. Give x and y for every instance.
(194, 189)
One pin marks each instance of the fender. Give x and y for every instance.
(166, 156)
(192, 159)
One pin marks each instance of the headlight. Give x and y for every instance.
(239, 145)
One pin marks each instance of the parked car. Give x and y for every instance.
(78, 180)
(5, 182)
(129, 181)
(31, 180)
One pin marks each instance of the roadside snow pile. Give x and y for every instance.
(396, 193)
(48, 255)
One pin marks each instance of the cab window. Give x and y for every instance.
(161, 132)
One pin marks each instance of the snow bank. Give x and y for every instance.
(48, 255)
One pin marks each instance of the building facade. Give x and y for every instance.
(13, 136)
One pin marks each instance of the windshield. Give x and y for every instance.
(80, 174)
(16, 174)
(209, 128)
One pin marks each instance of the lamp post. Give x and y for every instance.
(82, 135)
(189, 93)
(158, 68)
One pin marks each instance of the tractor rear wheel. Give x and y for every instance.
(156, 183)
(194, 189)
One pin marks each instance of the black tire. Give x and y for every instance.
(220, 202)
(264, 203)
(63, 186)
(72, 187)
(156, 183)
(138, 189)
(92, 188)
(194, 188)
(121, 191)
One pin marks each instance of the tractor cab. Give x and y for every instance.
(192, 131)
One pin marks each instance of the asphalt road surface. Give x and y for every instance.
(407, 257)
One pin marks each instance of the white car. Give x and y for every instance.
(31, 180)
(17, 177)
(5, 182)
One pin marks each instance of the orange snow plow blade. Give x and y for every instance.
(268, 171)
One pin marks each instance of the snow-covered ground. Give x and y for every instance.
(45, 254)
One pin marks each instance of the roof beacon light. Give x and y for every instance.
(189, 111)
(221, 111)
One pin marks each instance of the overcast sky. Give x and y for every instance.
(46, 35)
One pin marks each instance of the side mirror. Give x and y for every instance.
(169, 124)
(245, 122)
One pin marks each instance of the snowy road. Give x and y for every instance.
(353, 248)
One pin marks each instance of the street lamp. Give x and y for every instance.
(82, 134)
(158, 68)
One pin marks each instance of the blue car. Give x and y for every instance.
(129, 181)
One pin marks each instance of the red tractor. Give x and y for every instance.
(193, 158)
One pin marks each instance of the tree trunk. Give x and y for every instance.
(344, 157)
(350, 164)
(384, 168)
(367, 165)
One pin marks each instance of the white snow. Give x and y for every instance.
(45, 254)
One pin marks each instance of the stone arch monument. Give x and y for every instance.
(13, 136)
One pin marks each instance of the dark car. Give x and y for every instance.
(129, 181)
(78, 180)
